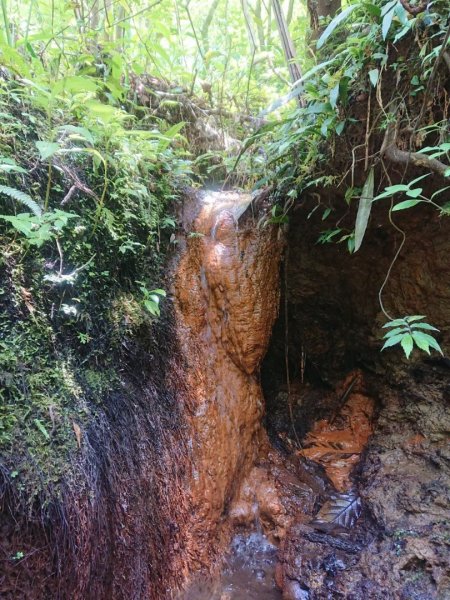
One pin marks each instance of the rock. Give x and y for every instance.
(294, 591)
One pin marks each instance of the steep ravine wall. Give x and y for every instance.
(226, 288)
(403, 479)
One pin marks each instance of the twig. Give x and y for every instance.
(343, 400)
(286, 345)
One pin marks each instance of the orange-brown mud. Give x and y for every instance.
(226, 288)
(336, 443)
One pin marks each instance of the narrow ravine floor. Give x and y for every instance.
(248, 573)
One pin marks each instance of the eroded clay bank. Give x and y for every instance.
(310, 461)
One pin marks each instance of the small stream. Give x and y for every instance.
(248, 573)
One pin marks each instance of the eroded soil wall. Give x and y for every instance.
(226, 288)
(400, 548)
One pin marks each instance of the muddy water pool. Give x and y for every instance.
(248, 573)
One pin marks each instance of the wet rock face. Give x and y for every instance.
(226, 289)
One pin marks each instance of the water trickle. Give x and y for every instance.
(248, 573)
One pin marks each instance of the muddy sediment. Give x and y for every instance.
(226, 289)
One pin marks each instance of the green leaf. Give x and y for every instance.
(47, 149)
(393, 341)
(365, 205)
(424, 326)
(421, 342)
(41, 428)
(7, 168)
(373, 76)
(395, 331)
(405, 204)
(75, 84)
(22, 225)
(413, 318)
(340, 127)
(407, 344)
(395, 323)
(334, 96)
(428, 338)
(78, 132)
(391, 190)
(372, 9)
(174, 130)
(387, 21)
(340, 18)
(326, 213)
(22, 198)
(414, 193)
(152, 307)
(160, 292)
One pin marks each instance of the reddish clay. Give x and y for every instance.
(226, 289)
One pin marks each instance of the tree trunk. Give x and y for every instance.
(321, 8)
(288, 44)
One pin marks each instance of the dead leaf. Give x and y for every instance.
(341, 510)
(27, 298)
(78, 434)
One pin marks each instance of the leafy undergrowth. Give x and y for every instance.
(86, 191)
(371, 133)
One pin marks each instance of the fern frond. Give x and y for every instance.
(22, 198)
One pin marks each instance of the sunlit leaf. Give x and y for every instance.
(340, 18)
(365, 205)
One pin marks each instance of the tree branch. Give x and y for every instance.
(414, 10)
(393, 153)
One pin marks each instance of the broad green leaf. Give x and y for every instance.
(421, 342)
(396, 331)
(47, 149)
(405, 204)
(393, 341)
(391, 190)
(387, 21)
(388, 6)
(424, 326)
(74, 85)
(152, 307)
(394, 323)
(373, 9)
(340, 127)
(407, 344)
(373, 76)
(21, 225)
(334, 96)
(174, 130)
(365, 205)
(429, 339)
(340, 18)
(413, 318)
(414, 193)
(82, 132)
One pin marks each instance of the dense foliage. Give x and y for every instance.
(92, 158)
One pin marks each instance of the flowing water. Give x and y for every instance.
(248, 573)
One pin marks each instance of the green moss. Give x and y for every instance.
(70, 305)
